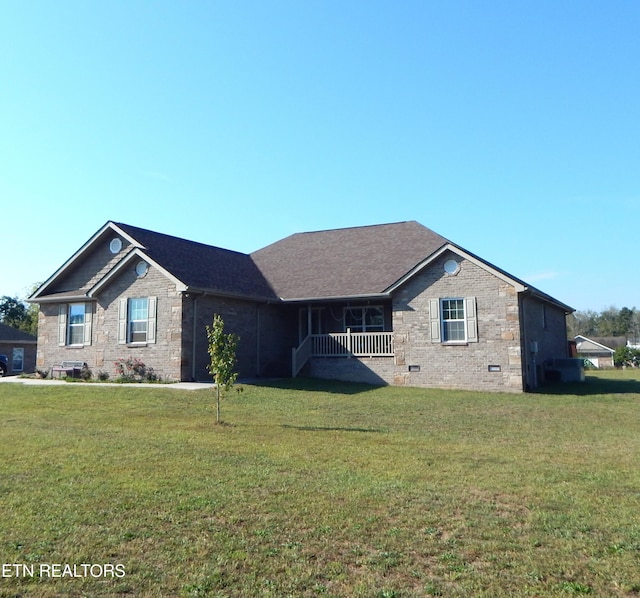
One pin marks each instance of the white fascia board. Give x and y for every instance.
(136, 253)
(462, 253)
(596, 343)
(129, 238)
(109, 225)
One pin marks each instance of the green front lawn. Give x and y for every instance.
(321, 489)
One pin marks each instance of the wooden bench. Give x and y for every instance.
(68, 368)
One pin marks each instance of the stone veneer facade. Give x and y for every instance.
(164, 355)
(500, 360)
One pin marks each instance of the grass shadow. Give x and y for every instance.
(316, 385)
(331, 429)
(593, 385)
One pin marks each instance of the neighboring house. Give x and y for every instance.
(20, 349)
(386, 304)
(599, 350)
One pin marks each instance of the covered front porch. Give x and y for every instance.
(343, 329)
(341, 344)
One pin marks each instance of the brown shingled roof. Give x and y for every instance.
(345, 262)
(201, 266)
(11, 334)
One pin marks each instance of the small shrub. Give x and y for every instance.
(103, 376)
(133, 369)
(86, 374)
(130, 369)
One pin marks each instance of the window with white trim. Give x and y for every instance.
(364, 319)
(137, 320)
(75, 333)
(74, 324)
(453, 320)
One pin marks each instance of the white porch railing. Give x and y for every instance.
(342, 344)
(353, 344)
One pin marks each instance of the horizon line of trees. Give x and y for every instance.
(18, 314)
(607, 323)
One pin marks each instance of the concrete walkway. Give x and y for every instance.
(40, 381)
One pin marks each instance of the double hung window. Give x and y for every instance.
(137, 320)
(75, 335)
(74, 324)
(453, 320)
(364, 319)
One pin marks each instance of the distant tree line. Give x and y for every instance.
(607, 323)
(16, 313)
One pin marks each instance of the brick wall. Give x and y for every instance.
(164, 356)
(369, 370)
(544, 325)
(420, 362)
(458, 366)
(265, 336)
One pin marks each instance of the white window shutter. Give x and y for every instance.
(472, 319)
(434, 320)
(122, 322)
(151, 321)
(62, 325)
(88, 318)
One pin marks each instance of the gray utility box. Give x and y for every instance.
(564, 370)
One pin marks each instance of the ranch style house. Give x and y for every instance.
(384, 304)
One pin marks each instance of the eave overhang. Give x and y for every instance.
(533, 292)
(200, 291)
(338, 298)
(74, 297)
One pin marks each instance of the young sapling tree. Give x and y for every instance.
(222, 354)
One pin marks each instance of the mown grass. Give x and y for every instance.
(324, 489)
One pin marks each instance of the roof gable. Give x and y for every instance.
(601, 343)
(190, 265)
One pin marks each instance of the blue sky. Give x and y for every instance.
(511, 128)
